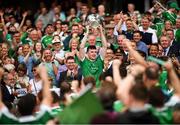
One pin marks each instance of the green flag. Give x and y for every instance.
(156, 60)
(82, 110)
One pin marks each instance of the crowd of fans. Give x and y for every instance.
(47, 62)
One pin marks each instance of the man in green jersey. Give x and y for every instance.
(47, 39)
(92, 62)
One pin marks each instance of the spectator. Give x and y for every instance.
(35, 84)
(47, 38)
(149, 35)
(72, 72)
(51, 65)
(140, 44)
(27, 59)
(44, 16)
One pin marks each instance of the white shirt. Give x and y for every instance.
(9, 89)
(35, 86)
(60, 54)
(150, 30)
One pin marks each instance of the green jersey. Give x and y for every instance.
(46, 40)
(6, 117)
(163, 114)
(42, 118)
(92, 68)
(169, 16)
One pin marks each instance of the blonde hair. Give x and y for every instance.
(74, 39)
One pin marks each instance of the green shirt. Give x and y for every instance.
(169, 16)
(6, 117)
(42, 117)
(163, 114)
(92, 68)
(46, 40)
(158, 27)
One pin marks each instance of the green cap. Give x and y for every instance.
(174, 5)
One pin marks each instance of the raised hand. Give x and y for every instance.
(1, 13)
(117, 62)
(168, 65)
(25, 14)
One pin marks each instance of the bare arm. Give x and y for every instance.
(126, 84)
(138, 58)
(46, 93)
(2, 21)
(27, 56)
(116, 74)
(1, 103)
(123, 86)
(82, 45)
(119, 25)
(104, 43)
(135, 25)
(173, 77)
(22, 22)
(55, 69)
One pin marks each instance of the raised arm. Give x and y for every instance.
(2, 21)
(173, 77)
(104, 43)
(126, 84)
(22, 22)
(119, 25)
(134, 23)
(28, 55)
(1, 103)
(83, 43)
(116, 74)
(55, 68)
(46, 93)
(138, 58)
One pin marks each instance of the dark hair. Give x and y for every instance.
(55, 97)
(140, 33)
(65, 88)
(107, 95)
(89, 80)
(90, 47)
(36, 65)
(69, 58)
(65, 23)
(154, 44)
(142, 53)
(26, 104)
(34, 48)
(139, 92)
(22, 67)
(152, 73)
(156, 96)
(75, 24)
